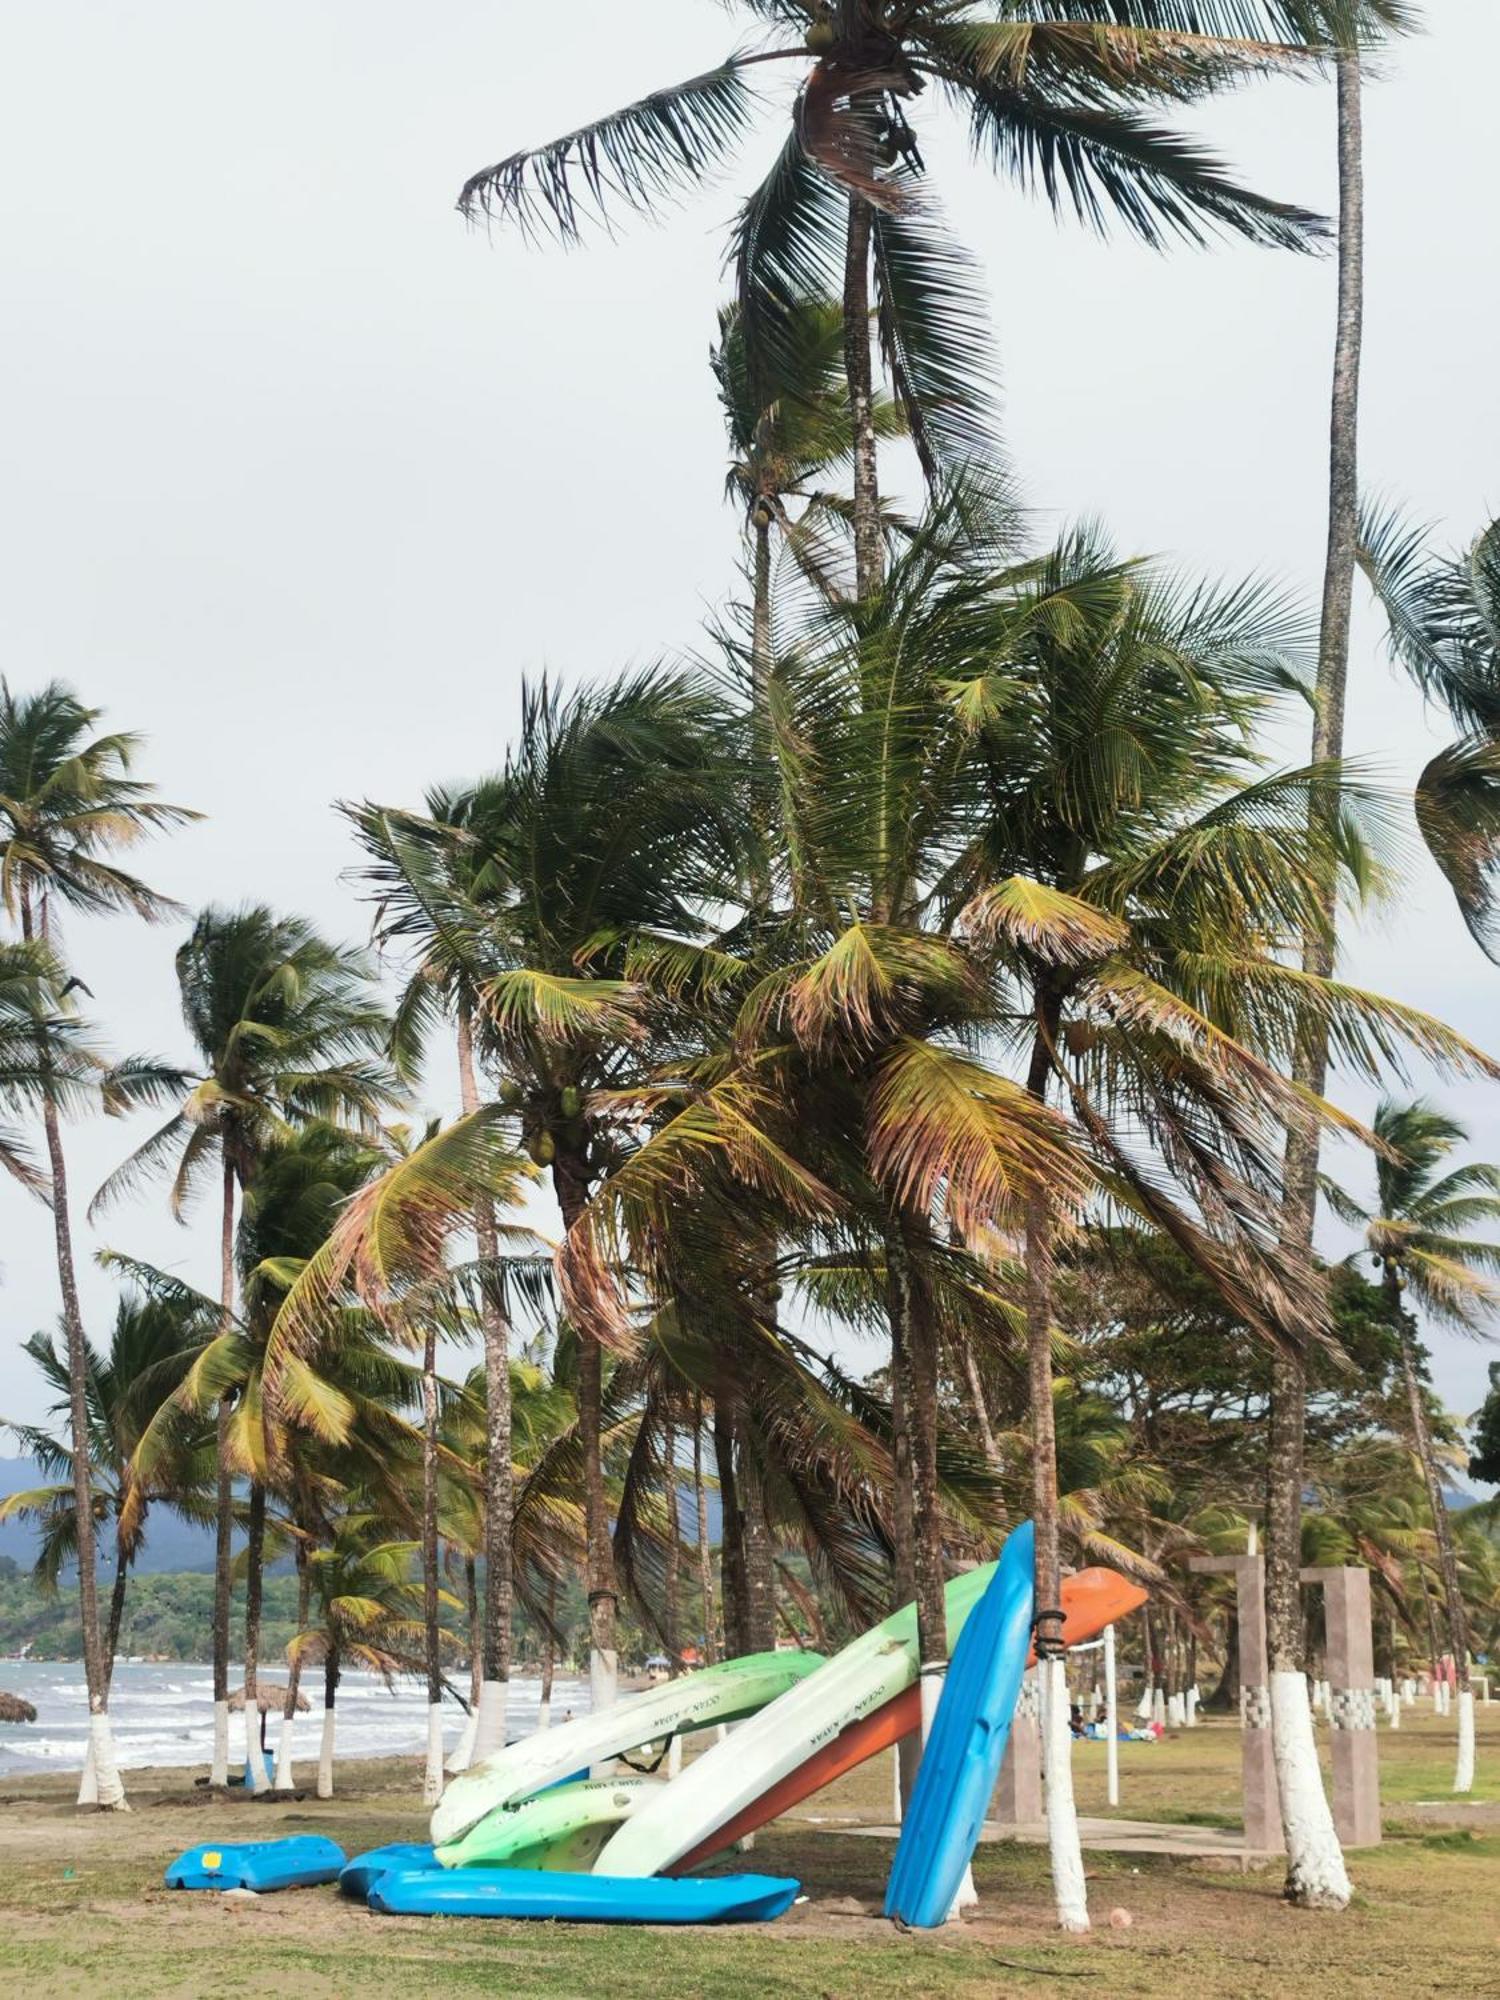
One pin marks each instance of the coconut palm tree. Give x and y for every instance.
(1419, 1234)
(152, 1343)
(366, 1613)
(286, 1027)
(67, 803)
(1057, 97)
(617, 810)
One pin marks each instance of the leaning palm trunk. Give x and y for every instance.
(108, 1791)
(1316, 1876)
(731, 1525)
(255, 1551)
(432, 1777)
(224, 1497)
(1458, 1620)
(499, 1481)
(672, 1579)
(88, 1788)
(1063, 1840)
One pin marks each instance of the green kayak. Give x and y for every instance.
(561, 1829)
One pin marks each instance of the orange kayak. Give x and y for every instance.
(1091, 1599)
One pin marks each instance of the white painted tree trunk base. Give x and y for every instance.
(88, 1784)
(1063, 1842)
(1190, 1709)
(255, 1758)
(285, 1743)
(463, 1749)
(325, 1756)
(108, 1786)
(432, 1775)
(1316, 1877)
(604, 1686)
(544, 1715)
(674, 1757)
(490, 1720)
(1463, 1780)
(218, 1772)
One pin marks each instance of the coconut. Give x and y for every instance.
(822, 37)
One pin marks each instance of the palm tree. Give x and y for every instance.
(1057, 97)
(286, 1028)
(1316, 1876)
(67, 801)
(1419, 1237)
(151, 1345)
(366, 1613)
(616, 811)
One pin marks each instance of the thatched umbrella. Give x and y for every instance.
(269, 1695)
(13, 1709)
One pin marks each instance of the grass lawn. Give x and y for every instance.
(82, 1909)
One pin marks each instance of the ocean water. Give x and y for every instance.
(165, 1715)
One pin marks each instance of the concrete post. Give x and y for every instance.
(1351, 1706)
(1018, 1792)
(1257, 1765)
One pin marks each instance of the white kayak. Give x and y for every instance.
(733, 1774)
(725, 1693)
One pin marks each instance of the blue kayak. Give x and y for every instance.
(963, 1754)
(581, 1899)
(297, 1863)
(357, 1876)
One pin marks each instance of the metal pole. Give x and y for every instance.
(1111, 1718)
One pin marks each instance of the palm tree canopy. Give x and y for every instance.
(66, 799)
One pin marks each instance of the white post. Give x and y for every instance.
(1111, 1718)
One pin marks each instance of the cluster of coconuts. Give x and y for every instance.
(540, 1141)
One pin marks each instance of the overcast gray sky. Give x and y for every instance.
(299, 475)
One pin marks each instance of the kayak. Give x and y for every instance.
(962, 1755)
(580, 1899)
(563, 1828)
(725, 1693)
(261, 1865)
(1091, 1599)
(356, 1877)
(731, 1775)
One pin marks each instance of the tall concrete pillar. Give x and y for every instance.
(1018, 1791)
(1351, 1706)
(1257, 1765)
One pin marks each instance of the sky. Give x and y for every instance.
(299, 474)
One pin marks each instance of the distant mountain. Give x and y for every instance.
(171, 1545)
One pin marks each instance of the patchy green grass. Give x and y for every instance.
(82, 1910)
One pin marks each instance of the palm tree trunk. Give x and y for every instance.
(705, 1559)
(913, 1339)
(325, 1748)
(432, 1778)
(255, 1554)
(224, 1494)
(570, 1178)
(1069, 1893)
(499, 1494)
(109, 1791)
(285, 1741)
(1316, 1875)
(549, 1659)
(869, 551)
(731, 1524)
(760, 622)
(980, 1407)
(1442, 1528)
(672, 1580)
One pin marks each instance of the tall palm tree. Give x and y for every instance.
(286, 1027)
(1419, 1234)
(67, 802)
(1316, 1876)
(615, 811)
(1057, 97)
